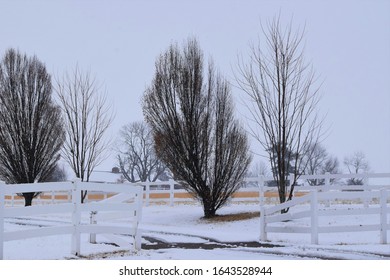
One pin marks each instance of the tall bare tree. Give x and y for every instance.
(137, 159)
(190, 111)
(31, 130)
(282, 96)
(87, 116)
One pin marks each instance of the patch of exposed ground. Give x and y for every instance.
(233, 217)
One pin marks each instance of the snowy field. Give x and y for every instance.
(179, 233)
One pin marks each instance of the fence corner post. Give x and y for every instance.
(314, 216)
(76, 217)
(2, 206)
(383, 216)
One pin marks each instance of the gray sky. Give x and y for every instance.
(348, 43)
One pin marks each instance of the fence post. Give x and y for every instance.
(92, 221)
(171, 192)
(76, 217)
(261, 191)
(327, 187)
(147, 193)
(383, 218)
(2, 206)
(314, 216)
(365, 185)
(138, 235)
(263, 233)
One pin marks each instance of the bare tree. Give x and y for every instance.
(58, 175)
(259, 169)
(318, 161)
(87, 117)
(282, 101)
(196, 136)
(137, 159)
(356, 164)
(31, 129)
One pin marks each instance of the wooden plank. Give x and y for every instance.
(108, 187)
(108, 228)
(348, 228)
(288, 229)
(38, 210)
(120, 197)
(348, 195)
(348, 212)
(106, 216)
(39, 232)
(38, 187)
(288, 204)
(108, 207)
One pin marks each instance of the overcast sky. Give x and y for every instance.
(348, 43)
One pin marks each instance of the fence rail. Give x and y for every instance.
(170, 192)
(75, 227)
(313, 211)
(255, 189)
(259, 191)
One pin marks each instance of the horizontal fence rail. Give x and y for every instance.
(104, 198)
(255, 189)
(74, 226)
(273, 220)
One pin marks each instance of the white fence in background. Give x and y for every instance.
(110, 210)
(255, 189)
(366, 199)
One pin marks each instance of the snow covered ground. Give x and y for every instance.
(179, 233)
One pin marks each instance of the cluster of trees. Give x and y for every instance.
(190, 132)
(36, 128)
(189, 110)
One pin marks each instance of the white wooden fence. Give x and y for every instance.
(255, 189)
(317, 202)
(112, 210)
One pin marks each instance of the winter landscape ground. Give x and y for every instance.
(180, 233)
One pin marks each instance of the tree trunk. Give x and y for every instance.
(208, 208)
(208, 213)
(28, 197)
(83, 196)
